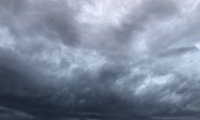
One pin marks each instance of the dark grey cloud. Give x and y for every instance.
(99, 60)
(178, 51)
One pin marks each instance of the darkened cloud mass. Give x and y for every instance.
(99, 60)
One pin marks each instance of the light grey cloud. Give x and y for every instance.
(118, 37)
(42, 18)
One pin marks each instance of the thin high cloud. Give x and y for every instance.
(109, 59)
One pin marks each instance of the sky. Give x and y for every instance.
(99, 59)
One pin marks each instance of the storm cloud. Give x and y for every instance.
(99, 59)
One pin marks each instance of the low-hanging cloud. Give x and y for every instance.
(106, 59)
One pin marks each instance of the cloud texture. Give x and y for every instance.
(99, 59)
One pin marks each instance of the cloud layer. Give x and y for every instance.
(99, 59)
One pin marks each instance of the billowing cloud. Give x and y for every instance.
(99, 59)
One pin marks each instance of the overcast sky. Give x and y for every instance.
(99, 59)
